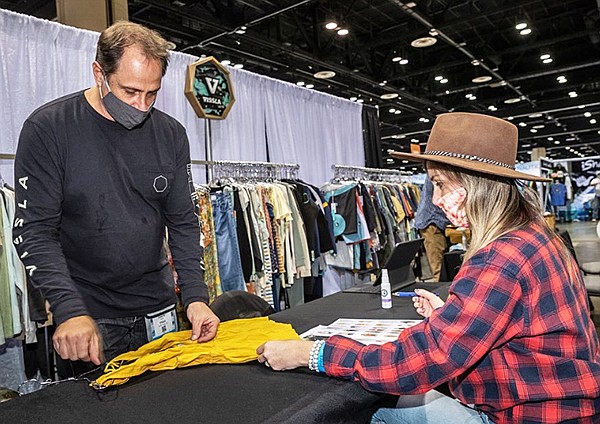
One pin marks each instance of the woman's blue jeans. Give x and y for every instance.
(432, 407)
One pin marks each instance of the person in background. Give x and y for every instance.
(431, 222)
(596, 201)
(514, 340)
(100, 174)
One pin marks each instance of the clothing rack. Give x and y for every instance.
(252, 171)
(346, 172)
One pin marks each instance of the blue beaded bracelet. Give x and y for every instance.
(320, 366)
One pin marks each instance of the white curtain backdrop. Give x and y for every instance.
(39, 61)
(242, 135)
(313, 129)
(42, 60)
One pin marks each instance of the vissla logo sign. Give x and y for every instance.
(208, 88)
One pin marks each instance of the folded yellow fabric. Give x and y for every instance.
(236, 342)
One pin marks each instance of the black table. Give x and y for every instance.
(245, 393)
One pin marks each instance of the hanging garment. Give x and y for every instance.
(236, 342)
(209, 242)
(228, 251)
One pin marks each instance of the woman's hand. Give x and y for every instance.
(284, 355)
(426, 302)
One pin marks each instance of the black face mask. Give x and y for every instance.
(126, 115)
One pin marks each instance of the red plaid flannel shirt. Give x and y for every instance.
(514, 338)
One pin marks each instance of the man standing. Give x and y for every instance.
(596, 201)
(99, 175)
(431, 222)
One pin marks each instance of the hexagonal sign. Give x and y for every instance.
(208, 88)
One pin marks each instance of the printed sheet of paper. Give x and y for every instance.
(366, 331)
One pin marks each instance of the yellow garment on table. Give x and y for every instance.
(236, 342)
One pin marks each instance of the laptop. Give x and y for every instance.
(399, 266)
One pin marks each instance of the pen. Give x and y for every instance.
(408, 294)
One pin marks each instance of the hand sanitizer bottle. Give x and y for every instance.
(386, 290)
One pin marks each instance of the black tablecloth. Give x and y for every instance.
(245, 393)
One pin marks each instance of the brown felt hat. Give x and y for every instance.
(473, 141)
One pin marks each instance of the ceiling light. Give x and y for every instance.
(241, 31)
(226, 62)
(587, 114)
(547, 60)
(353, 99)
(544, 56)
(383, 83)
(443, 81)
(388, 96)
(300, 83)
(535, 115)
(411, 4)
(403, 62)
(475, 62)
(482, 79)
(521, 25)
(512, 100)
(396, 59)
(492, 108)
(498, 84)
(533, 130)
(572, 94)
(525, 31)
(331, 25)
(510, 118)
(538, 127)
(390, 160)
(561, 80)
(414, 140)
(392, 110)
(398, 112)
(324, 74)
(399, 136)
(522, 124)
(439, 77)
(422, 42)
(592, 121)
(550, 138)
(433, 32)
(310, 85)
(447, 91)
(581, 107)
(342, 31)
(238, 66)
(360, 101)
(557, 142)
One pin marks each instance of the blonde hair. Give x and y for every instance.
(497, 205)
(114, 39)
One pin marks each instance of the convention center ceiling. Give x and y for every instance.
(534, 62)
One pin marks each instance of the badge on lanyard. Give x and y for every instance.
(161, 322)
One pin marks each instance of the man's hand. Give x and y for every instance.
(204, 321)
(78, 338)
